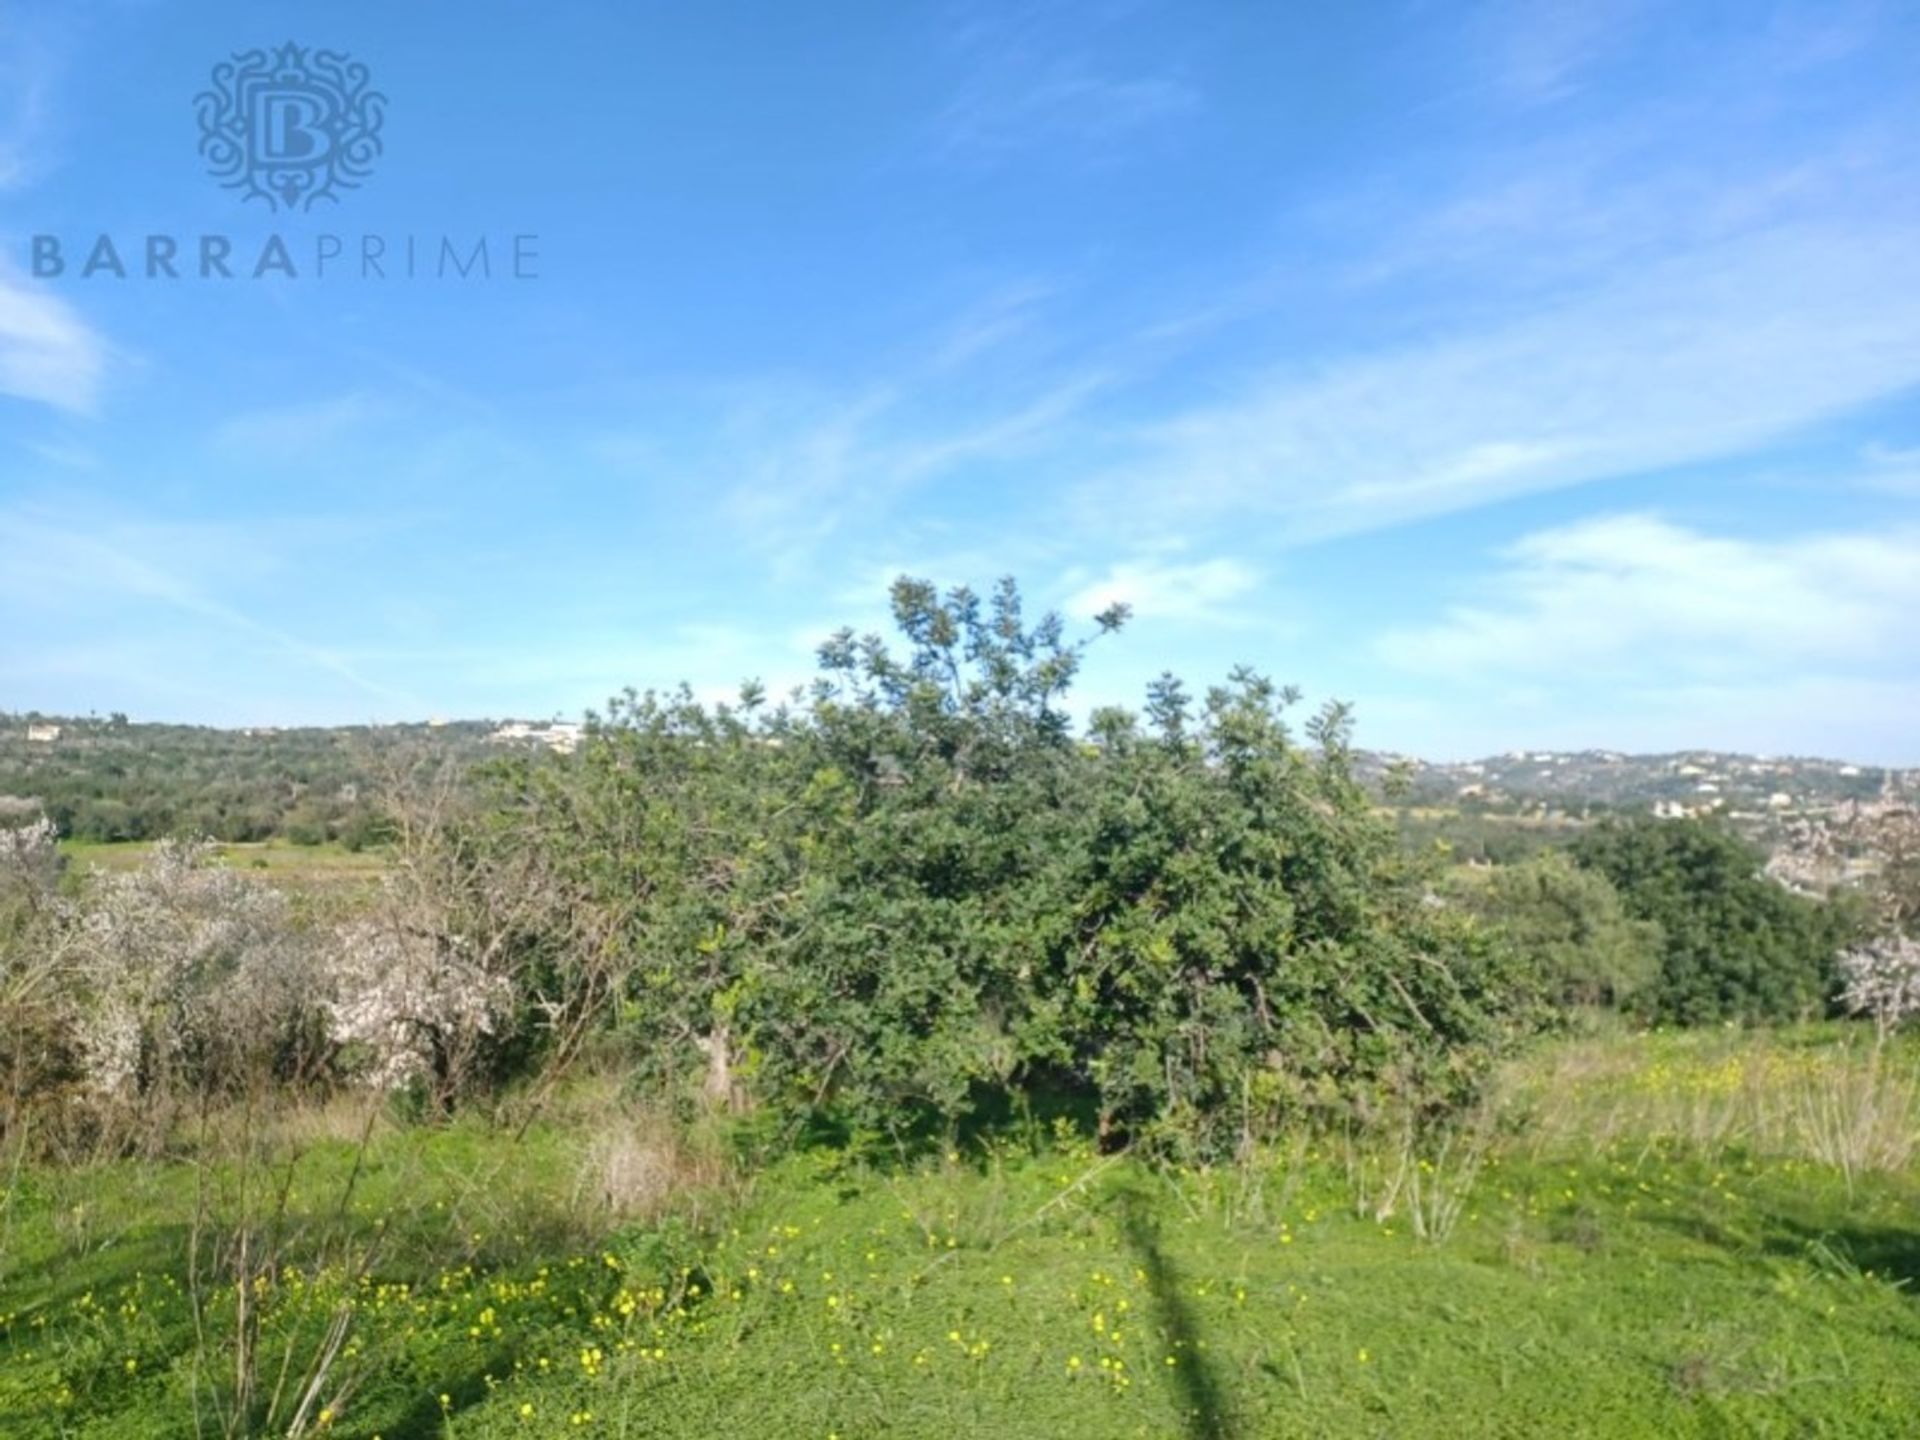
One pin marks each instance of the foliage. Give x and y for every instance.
(1473, 834)
(912, 892)
(33, 925)
(107, 781)
(1569, 926)
(1735, 945)
(1249, 937)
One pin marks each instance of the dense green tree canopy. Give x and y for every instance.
(1736, 945)
(1569, 926)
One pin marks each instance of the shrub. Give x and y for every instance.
(1735, 945)
(409, 1007)
(1569, 926)
(34, 978)
(190, 979)
(913, 893)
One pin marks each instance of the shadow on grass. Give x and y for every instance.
(1885, 1253)
(1037, 1116)
(1204, 1407)
(52, 1281)
(427, 1418)
(1845, 1250)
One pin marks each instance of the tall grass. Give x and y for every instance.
(1425, 1171)
(1840, 1096)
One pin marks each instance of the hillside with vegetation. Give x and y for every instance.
(907, 1057)
(117, 780)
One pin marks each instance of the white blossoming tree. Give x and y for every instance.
(1882, 980)
(466, 952)
(409, 1005)
(29, 861)
(1880, 837)
(190, 978)
(34, 931)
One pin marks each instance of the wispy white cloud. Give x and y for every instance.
(1701, 354)
(992, 323)
(67, 456)
(1036, 78)
(1540, 53)
(1064, 101)
(300, 428)
(997, 434)
(1640, 597)
(48, 353)
(1196, 592)
(119, 564)
(27, 67)
(1892, 469)
(1682, 278)
(805, 468)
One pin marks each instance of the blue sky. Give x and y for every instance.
(1529, 375)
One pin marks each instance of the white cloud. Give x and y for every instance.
(1893, 469)
(1710, 353)
(995, 322)
(27, 67)
(808, 468)
(1065, 101)
(66, 456)
(285, 431)
(55, 565)
(47, 352)
(1640, 599)
(1158, 590)
(1687, 275)
(1036, 77)
(1539, 53)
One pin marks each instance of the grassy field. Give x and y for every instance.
(1643, 1240)
(293, 867)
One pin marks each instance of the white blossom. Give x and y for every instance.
(410, 1002)
(184, 969)
(25, 847)
(1882, 979)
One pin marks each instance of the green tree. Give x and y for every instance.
(1736, 945)
(914, 890)
(1569, 927)
(1250, 938)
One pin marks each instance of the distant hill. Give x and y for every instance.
(109, 780)
(1698, 781)
(114, 779)
(1547, 790)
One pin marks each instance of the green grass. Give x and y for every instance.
(1653, 1286)
(294, 867)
